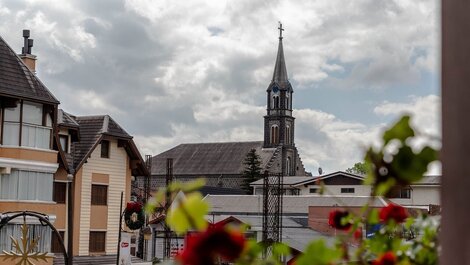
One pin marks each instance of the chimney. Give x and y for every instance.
(28, 58)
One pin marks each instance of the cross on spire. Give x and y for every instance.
(280, 30)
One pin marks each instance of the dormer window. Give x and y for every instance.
(64, 142)
(27, 124)
(105, 149)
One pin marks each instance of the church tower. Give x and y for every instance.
(279, 122)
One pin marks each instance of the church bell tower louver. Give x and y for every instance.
(279, 122)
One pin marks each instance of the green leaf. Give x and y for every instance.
(373, 217)
(189, 214)
(400, 130)
(409, 166)
(383, 187)
(318, 253)
(193, 185)
(281, 249)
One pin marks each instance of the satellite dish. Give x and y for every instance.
(320, 171)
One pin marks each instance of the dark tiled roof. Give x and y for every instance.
(206, 190)
(91, 130)
(17, 80)
(209, 158)
(65, 119)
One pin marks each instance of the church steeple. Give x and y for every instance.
(279, 122)
(280, 70)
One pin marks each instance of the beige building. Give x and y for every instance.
(72, 169)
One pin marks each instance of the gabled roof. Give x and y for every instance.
(206, 190)
(210, 158)
(92, 130)
(429, 180)
(64, 119)
(302, 180)
(17, 81)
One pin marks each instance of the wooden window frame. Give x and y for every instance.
(55, 243)
(105, 148)
(96, 197)
(97, 242)
(57, 196)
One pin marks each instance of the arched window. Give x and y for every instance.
(288, 166)
(288, 137)
(276, 101)
(287, 100)
(274, 134)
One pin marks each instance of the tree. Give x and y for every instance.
(252, 171)
(358, 168)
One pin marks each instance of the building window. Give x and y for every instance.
(40, 232)
(56, 247)
(64, 142)
(274, 134)
(288, 137)
(105, 149)
(97, 241)
(27, 124)
(276, 101)
(400, 193)
(347, 190)
(288, 166)
(313, 190)
(26, 185)
(99, 194)
(59, 192)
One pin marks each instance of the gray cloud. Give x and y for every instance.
(179, 71)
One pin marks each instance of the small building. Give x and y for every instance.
(423, 193)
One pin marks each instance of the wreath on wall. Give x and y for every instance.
(134, 215)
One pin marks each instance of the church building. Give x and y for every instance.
(221, 164)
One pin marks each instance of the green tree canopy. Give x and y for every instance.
(252, 171)
(358, 168)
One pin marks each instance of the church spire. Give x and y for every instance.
(280, 70)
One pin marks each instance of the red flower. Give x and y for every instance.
(203, 248)
(358, 234)
(335, 217)
(393, 212)
(388, 258)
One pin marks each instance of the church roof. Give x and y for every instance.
(280, 69)
(17, 80)
(210, 158)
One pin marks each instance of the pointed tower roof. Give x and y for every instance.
(280, 70)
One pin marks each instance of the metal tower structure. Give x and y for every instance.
(272, 210)
(168, 232)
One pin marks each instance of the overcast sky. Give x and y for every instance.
(174, 72)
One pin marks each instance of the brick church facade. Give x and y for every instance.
(221, 164)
